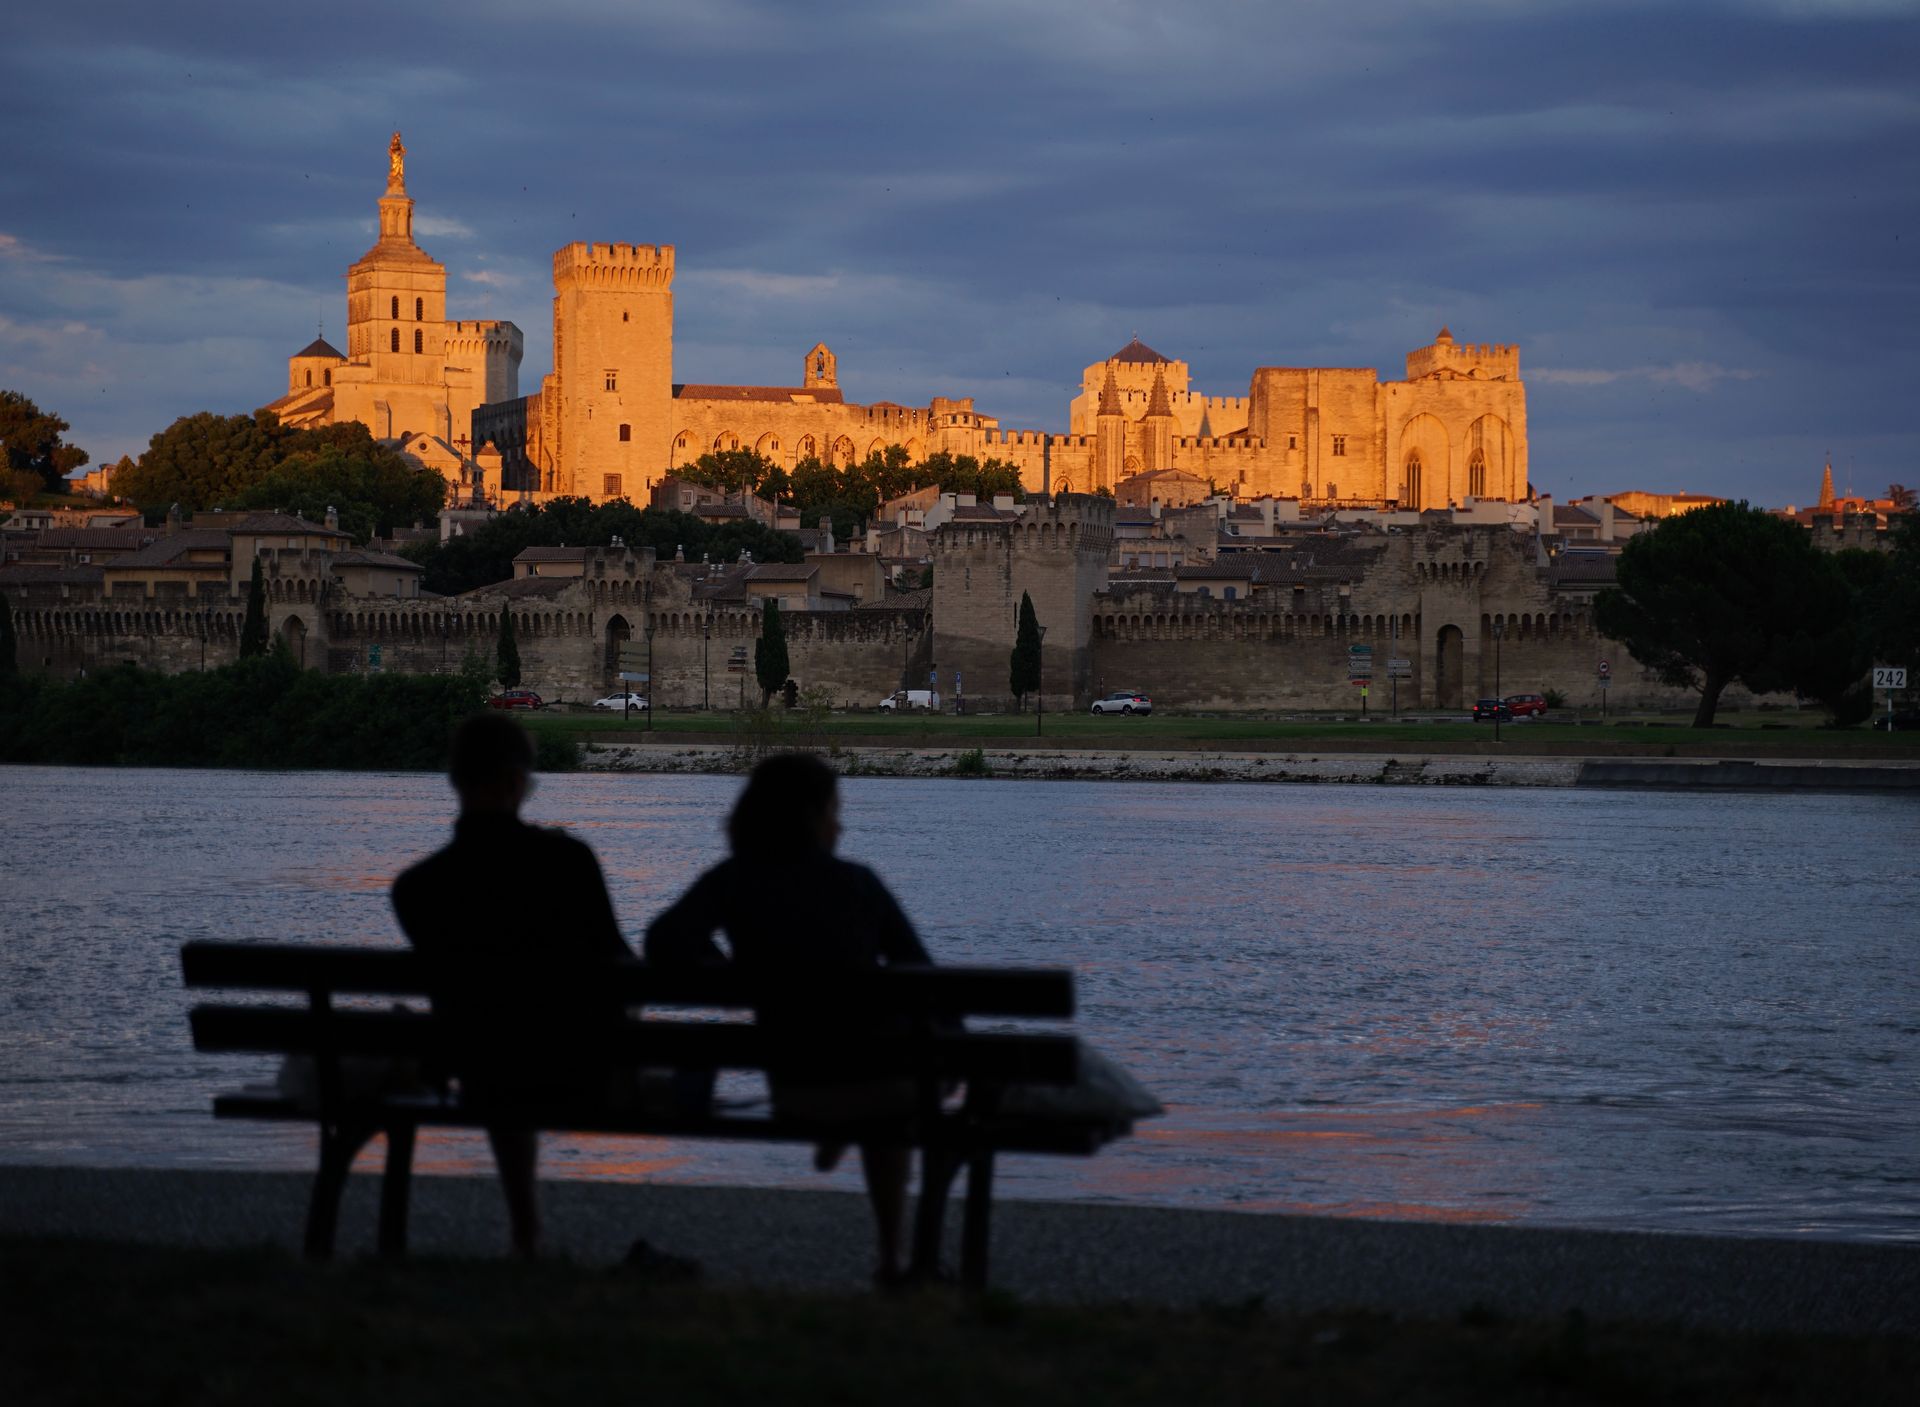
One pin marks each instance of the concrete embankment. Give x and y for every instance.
(1064, 1252)
(1406, 768)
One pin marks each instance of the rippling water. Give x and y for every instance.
(1576, 1008)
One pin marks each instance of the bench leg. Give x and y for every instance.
(937, 1169)
(394, 1187)
(977, 1227)
(338, 1147)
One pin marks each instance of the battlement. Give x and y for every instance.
(613, 266)
(1250, 446)
(489, 328)
(1493, 361)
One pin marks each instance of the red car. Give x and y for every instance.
(1526, 705)
(515, 698)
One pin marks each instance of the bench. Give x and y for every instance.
(689, 1020)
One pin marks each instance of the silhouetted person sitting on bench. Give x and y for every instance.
(785, 902)
(517, 922)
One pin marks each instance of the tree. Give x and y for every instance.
(509, 653)
(204, 460)
(1023, 669)
(770, 652)
(31, 444)
(253, 632)
(1729, 593)
(371, 487)
(9, 653)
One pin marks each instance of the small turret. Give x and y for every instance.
(1826, 487)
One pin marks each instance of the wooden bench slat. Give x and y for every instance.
(977, 1055)
(959, 991)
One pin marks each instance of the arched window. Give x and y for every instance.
(419, 341)
(1413, 485)
(626, 433)
(393, 340)
(419, 308)
(396, 307)
(326, 377)
(1477, 474)
(309, 376)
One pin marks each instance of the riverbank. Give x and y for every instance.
(1402, 767)
(1049, 1252)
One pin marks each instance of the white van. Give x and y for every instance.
(913, 698)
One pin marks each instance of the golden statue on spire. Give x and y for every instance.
(396, 163)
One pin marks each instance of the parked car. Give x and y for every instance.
(1124, 701)
(912, 698)
(1901, 720)
(620, 703)
(515, 698)
(1527, 705)
(1496, 709)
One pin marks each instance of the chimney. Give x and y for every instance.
(333, 517)
(1606, 520)
(1543, 524)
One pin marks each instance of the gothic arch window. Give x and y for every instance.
(682, 442)
(724, 441)
(808, 448)
(1477, 473)
(1413, 486)
(326, 377)
(396, 307)
(393, 340)
(419, 341)
(419, 308)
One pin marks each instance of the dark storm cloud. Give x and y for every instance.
(1696, 220)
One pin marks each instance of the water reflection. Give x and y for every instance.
(1581, 1008)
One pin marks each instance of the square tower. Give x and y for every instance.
(613, 360)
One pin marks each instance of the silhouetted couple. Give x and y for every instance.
(505, 892)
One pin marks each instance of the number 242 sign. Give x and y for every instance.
(1885, 677)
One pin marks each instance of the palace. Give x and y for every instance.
(610, 420)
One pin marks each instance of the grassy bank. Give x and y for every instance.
(1786, 734)
(99, 1324)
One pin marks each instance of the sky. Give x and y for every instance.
(1696, 218)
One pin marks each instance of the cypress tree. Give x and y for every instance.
(253, 633)
(9, 656)
(1023, 668)
(770, 652)
(509, 656)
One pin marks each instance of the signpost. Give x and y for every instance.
(1891, 678)
(373, 659)
(1606, 678)
(633, 670)
(1360, 671)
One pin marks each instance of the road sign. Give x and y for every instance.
(373, 659)
(737, 661)
(1359, 662)
(1399, 669)
(637, 678)
(1606, 670)
(633, 655)
(1884, 676)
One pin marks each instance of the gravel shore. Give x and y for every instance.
(1066, 1252)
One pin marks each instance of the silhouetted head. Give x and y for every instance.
(792, 803)
(492, 764)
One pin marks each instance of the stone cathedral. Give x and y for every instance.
(610, 420)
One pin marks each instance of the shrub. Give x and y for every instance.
(972, 763)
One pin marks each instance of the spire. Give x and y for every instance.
(1110, 394)
(1826, 487)
(1206, 423)
(1157, 402)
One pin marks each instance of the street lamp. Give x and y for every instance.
(1499, 631)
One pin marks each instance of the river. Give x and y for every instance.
(1575, 1008)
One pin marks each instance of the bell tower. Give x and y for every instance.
(397, 305)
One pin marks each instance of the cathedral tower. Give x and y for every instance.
(397, 303)
(613, 362)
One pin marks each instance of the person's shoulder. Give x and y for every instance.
(558, 843)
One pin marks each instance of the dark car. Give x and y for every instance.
(1527, 705)
(1903, 720)
(1496, 709)
(515, 698)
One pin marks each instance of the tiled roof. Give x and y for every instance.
(782, 571)
(365, 557)
(283, 523)
(983, 513)
(34, 574)
(919, 599)
(1573, 517)
(125, 539)
(1137, 351)
(1241, 566)
(320, 347)
(1139, 574)
(526, 586)
(551, 554)
(818, 395)
(1583, 569)
(164, 551)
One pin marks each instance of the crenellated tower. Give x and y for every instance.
(613, 361)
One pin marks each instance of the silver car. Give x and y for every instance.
(1124, 701)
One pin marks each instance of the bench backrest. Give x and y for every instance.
(670, 1035)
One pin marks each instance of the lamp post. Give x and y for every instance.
(706, 679)
(1499, 631)
(1039, 687)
